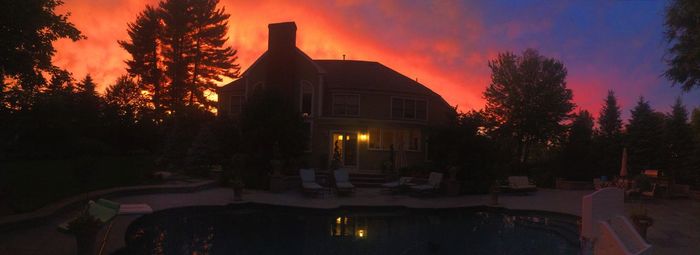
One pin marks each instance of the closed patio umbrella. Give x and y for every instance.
(623, 168)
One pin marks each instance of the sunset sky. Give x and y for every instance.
(445, 44)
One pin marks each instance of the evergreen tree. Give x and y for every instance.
(683, 35)
(177, 41)
(645, 138)
(609, 121)
(577, 163)
(608, 138)
(211, 60)
(144, 47)
(679, 142)
(125, 98)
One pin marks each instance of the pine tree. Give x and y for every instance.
(645, 138)
(177, 20)
(577, 151)
(608, 137)
(211, 59)
(145, 47)
(609, 121)
(679, 141)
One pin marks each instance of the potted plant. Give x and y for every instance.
(85, 228)
(641, 221)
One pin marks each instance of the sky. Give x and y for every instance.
(445, 44)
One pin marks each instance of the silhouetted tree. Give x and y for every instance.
(527, 99)
(645, 136)
(679, 142)
(608, 138)
(577, 153)
(694, 173)
(125, 98)
(683, 35)
(144, 46)
(211, 60)
(29, 29)
(204, 152)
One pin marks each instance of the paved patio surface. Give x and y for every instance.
(676, 230)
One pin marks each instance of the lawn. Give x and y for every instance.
(31, 184)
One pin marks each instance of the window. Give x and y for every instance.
(409, 109)
(400, 139)
(307, 94)
(346, 105)
(236, 104)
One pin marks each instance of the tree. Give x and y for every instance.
(211, 60)
(645, 137)
(527, 99)
(125, 97)
(144, 47)
(608, 138)
(683, 34)
(29, 29)
(576, 157)
(609, 122)
(679, 142)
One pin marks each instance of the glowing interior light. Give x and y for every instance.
(337, 220)
(340, 137)
(361, 233)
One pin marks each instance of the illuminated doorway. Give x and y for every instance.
(344, 149)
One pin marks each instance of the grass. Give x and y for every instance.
(32, 184)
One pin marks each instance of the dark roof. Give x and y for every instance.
(369, 75)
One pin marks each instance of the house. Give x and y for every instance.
(358, 110)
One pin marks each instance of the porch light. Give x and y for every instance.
(337, 220)
(340, 137)
(364, 137)
(361, 233)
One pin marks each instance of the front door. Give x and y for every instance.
(344, 148)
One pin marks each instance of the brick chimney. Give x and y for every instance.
(282, 36)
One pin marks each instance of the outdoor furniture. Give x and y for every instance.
(308, 182)
(104, 210)
(127, 209)
(397, 185)
(649, 194)
(342, 181)
(519, 184)
(432, 186)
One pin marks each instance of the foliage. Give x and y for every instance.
(204, 152)
(682, 33)
(29, 29)
(577, 162)
(645, 135)
(527, 100)
(460, 144)
(273, 130)
(177, 50)
(608, 138)
(678, 138)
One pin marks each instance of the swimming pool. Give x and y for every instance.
(265, 229)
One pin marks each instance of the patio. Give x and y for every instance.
(674, 231)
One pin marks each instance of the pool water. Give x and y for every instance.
(264, 229)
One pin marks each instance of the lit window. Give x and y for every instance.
(346, 105)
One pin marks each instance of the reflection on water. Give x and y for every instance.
(221, 230)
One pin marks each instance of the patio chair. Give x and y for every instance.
(432, 186)
(342, 181)
(649, 194)
(397, 185)
(520, 184)
(104, 210)
(308, 182)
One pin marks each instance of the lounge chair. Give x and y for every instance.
(649, 194)
(519, 184)
(104, 210)
(432, 186)
(342, 181)
(308, 182)
(395, 186)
